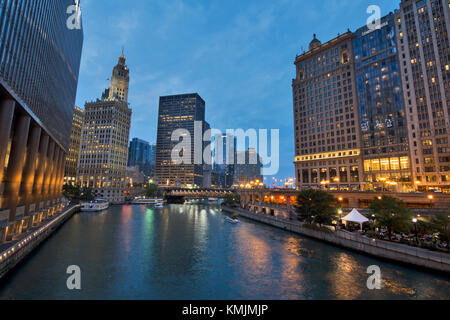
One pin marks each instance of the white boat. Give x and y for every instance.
(158, 203)
(95, 206)
(232, 220)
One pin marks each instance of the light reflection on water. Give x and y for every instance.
(190, 252)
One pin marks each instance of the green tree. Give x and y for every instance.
(71, 192)
(86, 194)
(152, 191)
(441, 223)
(231, 200)
(391, 213)
(316, 206)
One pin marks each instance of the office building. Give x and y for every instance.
(326, 115)
(224, 160)
(141, 154)
(104, 140)
(70, 172)
(248, 168)
(183, 111)
(382, 112)
(39, 66)
(422, 31)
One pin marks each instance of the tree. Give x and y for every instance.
(391, 213)
(86, 194)
(316, 206)
(152, 191)
(232, 199)
(441, 223)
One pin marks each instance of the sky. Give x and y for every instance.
(238, 55)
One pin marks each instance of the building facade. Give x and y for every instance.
(224, 160)
(326, 116)
(185, 111)
(104, 142)
(422, 30)
(70, 172)
(39, 66)
(385, 147)
(248, 168)
(141, 154)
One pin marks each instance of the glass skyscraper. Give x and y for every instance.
(381, 106)
(39, 65)
(179, 112)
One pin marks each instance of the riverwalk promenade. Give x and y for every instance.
(418, 257)
(15, 251)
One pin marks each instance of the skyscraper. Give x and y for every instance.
(248, 167)
(224, 160)
(423, 38)
(179, 112)
(381, 108)
(104, 141)
(39, 65)
(70, 172)
(326, 117)
(140, 154)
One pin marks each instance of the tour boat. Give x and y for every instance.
(158, 203)
(95, 206)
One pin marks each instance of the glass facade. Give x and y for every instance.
(39, 61)
(178, 112)
(381, 105)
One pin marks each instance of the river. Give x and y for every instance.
(190, 252)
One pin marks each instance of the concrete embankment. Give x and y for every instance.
(13, 255)
(418, 257)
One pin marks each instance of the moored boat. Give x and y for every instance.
(95, 206)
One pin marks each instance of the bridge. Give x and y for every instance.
(198, 193)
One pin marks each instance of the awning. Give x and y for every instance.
(355, 217)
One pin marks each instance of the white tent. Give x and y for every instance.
(356, 217)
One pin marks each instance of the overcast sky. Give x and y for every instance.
(237, 54)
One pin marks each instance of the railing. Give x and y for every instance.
(356, 240)
(35, 234)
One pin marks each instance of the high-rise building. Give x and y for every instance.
(248, 167)
(224, 160)
(382, 112)
(326, 116)
(39, 66)
(70, 172)
(104, 141)
(422, 30)
(183, 111)
(140, 155)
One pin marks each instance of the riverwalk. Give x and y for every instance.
(14, 252)
(417, 257)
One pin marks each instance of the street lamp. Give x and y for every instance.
(430, 197)
(415, 229)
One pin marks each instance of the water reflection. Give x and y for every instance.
(191, 252)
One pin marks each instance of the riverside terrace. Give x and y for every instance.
(280, 202)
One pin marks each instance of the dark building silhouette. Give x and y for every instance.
(39, 66)
(179, 112)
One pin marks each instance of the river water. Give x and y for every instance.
(190, 252)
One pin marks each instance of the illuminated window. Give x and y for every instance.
(395, 164)
(384, 164)
(375, 164)
(404, 163)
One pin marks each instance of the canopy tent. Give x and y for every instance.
(356, 217)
